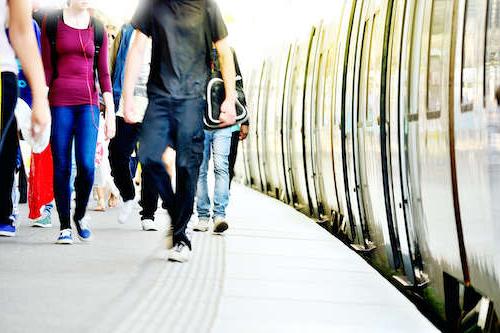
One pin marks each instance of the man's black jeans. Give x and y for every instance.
(177, 123)
(120, 149)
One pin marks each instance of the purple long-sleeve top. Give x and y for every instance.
(74, 84)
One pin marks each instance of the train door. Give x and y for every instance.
(413, 78)
(375, 132)
(327, 188)
(346, 226)
(477, 133)
(287, 124)
(272, 113)
(402, 23)
(254, 165)
(282, 193)
(262, 115)
(310, 111)
(361, 108)
(349, 129)
(299, 81)
(437, 227)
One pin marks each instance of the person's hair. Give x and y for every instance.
(497, 95)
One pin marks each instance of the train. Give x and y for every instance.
(383, 126)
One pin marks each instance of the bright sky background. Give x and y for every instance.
(256, 27)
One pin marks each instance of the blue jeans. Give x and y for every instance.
(218, 142)
(80, 123)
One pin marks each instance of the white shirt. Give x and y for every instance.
(7, 56)
(140, 91)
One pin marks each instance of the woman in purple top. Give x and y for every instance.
(74, 101)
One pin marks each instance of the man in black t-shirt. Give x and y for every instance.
(182, 32)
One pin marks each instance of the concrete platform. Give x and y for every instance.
(274, 271)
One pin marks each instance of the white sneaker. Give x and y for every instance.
(125, 211)
(202, 225)
(149, 225)
(220, 225)
(65, 237)
(170, 237)
(179, 253)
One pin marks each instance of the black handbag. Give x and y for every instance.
(216, 95)
(216, 92)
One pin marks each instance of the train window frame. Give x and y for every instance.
(370, 22)
(476, 62)
(491, 77)
(434, 113)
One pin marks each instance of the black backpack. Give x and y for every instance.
(50, 22)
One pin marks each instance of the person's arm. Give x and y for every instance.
(135, 58)
(24, 42)
(244, 128)
(228, 108)
(107, 91)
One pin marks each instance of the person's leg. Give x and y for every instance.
(15, 198)
(203, 200)
(8, 150)
(221, 147)
(86, 130)
(120, 149)
(73, 168)
(149, 196)
(190, 146)
(233, 153)
(61, 144)
(154, 138)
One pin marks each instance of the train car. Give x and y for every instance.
(383, 126)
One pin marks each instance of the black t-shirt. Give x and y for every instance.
(179, 66)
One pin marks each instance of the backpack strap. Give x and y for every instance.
(98, 41)
(50, 22)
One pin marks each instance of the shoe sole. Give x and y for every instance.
(39, 225)
(85, 240)
(7, 234)
(177, 259)
(150, 229)
(64, 242)
(221, 227)
(200, 229)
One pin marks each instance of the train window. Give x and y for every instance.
(472, 55)
(438, 50)
(492, 56)
(373, 71)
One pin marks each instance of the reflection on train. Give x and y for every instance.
(384, 127)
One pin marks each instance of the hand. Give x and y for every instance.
(243, 132)
(40, 117)
(110, 125)
(168, 159)
(129, 114)
(227, 113)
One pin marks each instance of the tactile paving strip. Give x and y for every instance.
(179, 298)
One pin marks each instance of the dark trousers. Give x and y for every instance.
(120, 149)
(233, 153)
(177, 123)
(79, 123)
(8, 144)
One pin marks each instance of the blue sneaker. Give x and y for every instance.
(7, 230)
(84, 232)
(65, 237)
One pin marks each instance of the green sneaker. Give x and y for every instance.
(44, 222)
